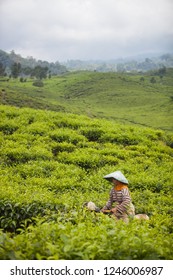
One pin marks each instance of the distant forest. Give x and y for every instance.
(135, 64)
(15, 65)
(12, 63)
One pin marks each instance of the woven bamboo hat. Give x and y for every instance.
(117, 175)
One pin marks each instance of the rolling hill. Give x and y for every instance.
(144, 99)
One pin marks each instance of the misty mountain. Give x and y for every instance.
(141, 63)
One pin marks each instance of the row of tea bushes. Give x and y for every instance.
(91, 237)
(52, 163)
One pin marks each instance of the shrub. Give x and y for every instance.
(21, 154)
(8, 127)
(66, 135)
(52, 163)
(38, 83)
(85, 158)
(92, 134)
(15, 215)
(61, 147)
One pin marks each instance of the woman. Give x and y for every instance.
(119, 195)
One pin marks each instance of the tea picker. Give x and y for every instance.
(119, 203)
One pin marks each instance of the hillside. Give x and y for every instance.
(53, 162)
(144, 99)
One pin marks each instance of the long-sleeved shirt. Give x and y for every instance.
(122, 199)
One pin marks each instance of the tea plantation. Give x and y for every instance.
(124, 97)
(54, 162)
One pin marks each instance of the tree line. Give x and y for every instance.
(17, 70)
(12, 65)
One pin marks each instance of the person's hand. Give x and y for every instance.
(113, 210)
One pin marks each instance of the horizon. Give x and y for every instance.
(142, 56)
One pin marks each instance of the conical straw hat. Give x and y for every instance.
(118, 176)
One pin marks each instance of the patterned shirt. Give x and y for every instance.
(121, 198)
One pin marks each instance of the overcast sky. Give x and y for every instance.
(58, 30)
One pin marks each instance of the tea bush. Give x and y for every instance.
(66, 135)
(76, 239)
(52, 163)
(8, 127)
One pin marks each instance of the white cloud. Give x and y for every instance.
(84, 29)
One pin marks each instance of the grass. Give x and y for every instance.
(121, 97)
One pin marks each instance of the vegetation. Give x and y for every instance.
(131, 64)
(10, 60)
(2, 70)
(144, 99)
(53, 162)
(59, 136)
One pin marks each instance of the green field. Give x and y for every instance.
(57, 143)
(124, 98)
(53, 162)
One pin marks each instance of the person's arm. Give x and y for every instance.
(126, 200)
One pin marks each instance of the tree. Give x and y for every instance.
(162, 71)
(50, 74)
(27, 70)
(153, 80)
(2, 69)
(142, 79)
(15, 69)
(40, 72)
